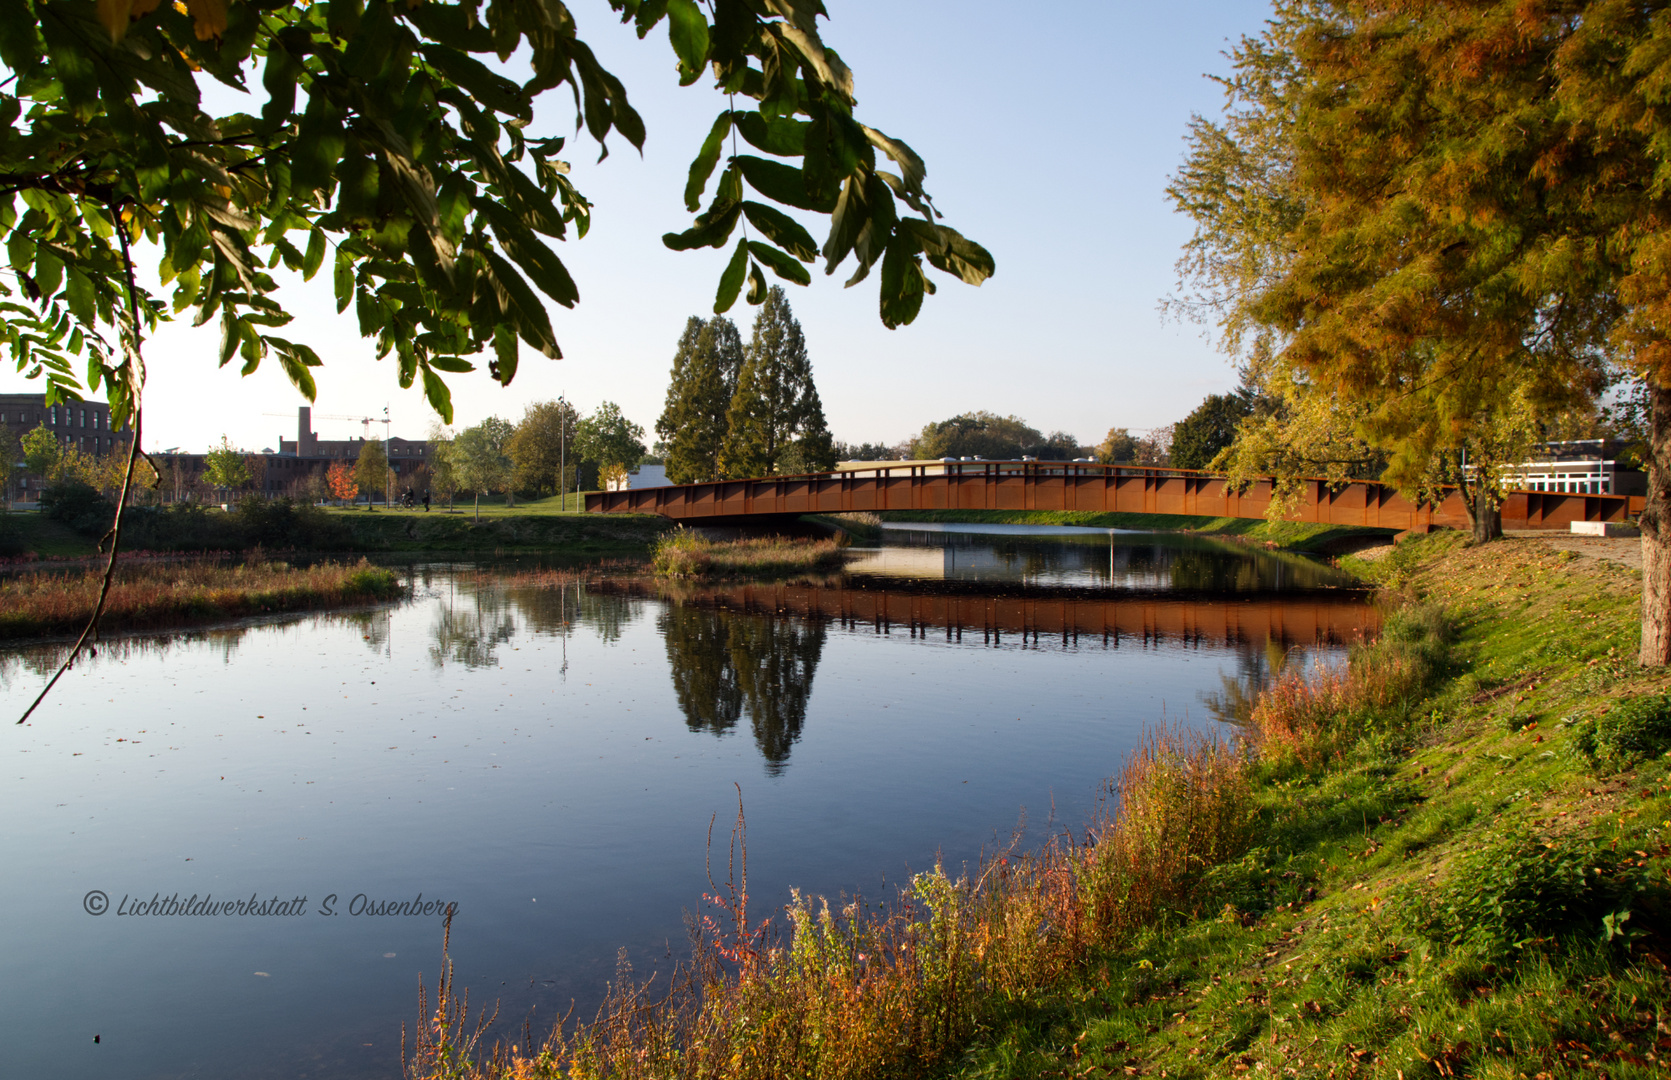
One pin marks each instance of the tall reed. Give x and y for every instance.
(848, 991)
(1315, 716)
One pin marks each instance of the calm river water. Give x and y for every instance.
(550, 757)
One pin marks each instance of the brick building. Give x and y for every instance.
(289, 470)
(84, 425)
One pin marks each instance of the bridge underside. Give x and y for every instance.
(1078, 486)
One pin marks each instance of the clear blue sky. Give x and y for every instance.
(1049, 133)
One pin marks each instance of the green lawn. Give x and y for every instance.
(573, 503)
(26, 531)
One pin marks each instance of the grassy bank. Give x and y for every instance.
(160, 595)
(686, 554)
(25, 535)
(507, 532)
(1299, 535)
(280, 525)
(1446, 859)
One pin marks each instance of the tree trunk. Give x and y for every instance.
(1487, 516)
(478, 506)
(1656, 534)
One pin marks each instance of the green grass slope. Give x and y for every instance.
(506, 531)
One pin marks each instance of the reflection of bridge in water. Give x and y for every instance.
(1072, 617)
(1081, 486)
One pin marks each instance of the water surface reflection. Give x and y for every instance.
(549, 753)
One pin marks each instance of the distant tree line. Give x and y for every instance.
(553, 450)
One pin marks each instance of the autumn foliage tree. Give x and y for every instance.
(1449, 224)
(371, 471)
(339, 478)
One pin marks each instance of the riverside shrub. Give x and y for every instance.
(1525, 889)
(1633, 729)
(79, 506)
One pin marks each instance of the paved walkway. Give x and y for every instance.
(1626, 550)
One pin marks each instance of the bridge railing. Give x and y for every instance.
(978, 467)
(1089, 485)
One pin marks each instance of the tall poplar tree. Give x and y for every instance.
(776, 422)
(693, 424)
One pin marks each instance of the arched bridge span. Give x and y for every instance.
(1057, 485)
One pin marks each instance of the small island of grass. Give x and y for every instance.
(686, 554)
(159, 595)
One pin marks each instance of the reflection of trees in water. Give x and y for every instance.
(775, 661)
(372, 626)
(1154, 560)
(704, 678)
(220, 643)
(725, 664)
(1224, 568)
(466, 630)
(480, 615)
(554, 610)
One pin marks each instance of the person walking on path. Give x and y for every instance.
(426, 502)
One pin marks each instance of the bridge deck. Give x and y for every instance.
(1049, 485)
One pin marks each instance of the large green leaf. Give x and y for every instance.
(782, 230)
(947, 249)
(782, 136)
(713, 234)
(532, 257)
(781, 183)
(706, 158)
(521, 309)
(687, 30)
(784, 266)
(901, 292)
(731, 282)
(485, 85)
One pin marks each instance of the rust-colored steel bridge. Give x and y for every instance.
(1059, 485)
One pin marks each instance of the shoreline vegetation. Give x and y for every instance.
(280, 525)
(540, 526)
(686, 554)
(1447, 857)
(154, 594)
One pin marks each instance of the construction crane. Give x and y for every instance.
(364, 421)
